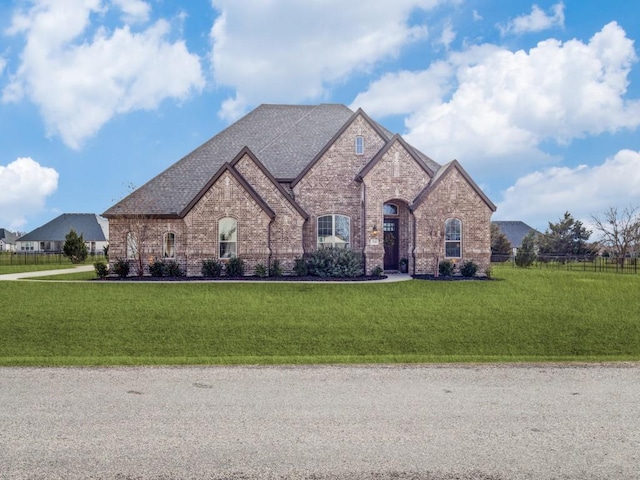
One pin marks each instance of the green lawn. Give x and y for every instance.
(525, 315)
(33, 268)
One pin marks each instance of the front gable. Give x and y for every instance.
(395, 172)
(458, 184)
(265, 185)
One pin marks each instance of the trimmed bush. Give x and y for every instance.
(121, 268)
(234, 267)
(300, 267)
(446, 268)
(157, 268)
(377, 271)
(276, 268)
(335, 262)
(469, 269)
(260, 270)
(101, 268)
(173, 269)
(211, 268)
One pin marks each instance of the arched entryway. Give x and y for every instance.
(395, 233)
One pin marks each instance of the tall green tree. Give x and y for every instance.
(566, 237)
(500, 244)
(74, 247)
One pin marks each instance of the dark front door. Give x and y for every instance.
(391, 243)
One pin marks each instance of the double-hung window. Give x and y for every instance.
(228, 237)
(334, 231)
(453, 238)
(132, 245)
(169, 245)
(359, 145)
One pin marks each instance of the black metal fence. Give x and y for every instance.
(586, 263)
(41, 258)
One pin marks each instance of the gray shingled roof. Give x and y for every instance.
(515, 231)
(8, 237)
(92, 227)
(285, 138)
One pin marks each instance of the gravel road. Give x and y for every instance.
(328, 422)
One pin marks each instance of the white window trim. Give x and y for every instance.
(165, 237)
(333, 230)
(221, 242)
(132, 245)
(452, 241)
(359, 145)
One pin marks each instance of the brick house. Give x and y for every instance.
(288, 179)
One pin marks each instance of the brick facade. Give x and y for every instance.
(279, 220)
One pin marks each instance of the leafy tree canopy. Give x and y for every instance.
(566, 237)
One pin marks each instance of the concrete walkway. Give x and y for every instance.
(45, 273)
(391, 277)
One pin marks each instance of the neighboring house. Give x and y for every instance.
(7, 240)
(288, 179)
(51, 236)
(515, 231)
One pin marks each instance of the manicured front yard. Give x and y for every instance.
(525, 315)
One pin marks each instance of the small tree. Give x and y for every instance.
(500, 244)
(74, 247)
(526, 253)
(620, 231)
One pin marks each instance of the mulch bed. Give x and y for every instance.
(449, 278)
(287, 278)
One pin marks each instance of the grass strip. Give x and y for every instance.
(526, 315)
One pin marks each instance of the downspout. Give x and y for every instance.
(415, 237)
(269, 244)
(363, 201)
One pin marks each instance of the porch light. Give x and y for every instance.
(374, 231)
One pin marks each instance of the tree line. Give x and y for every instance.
(618, 232)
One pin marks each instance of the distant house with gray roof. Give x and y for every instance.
(50, 237)
(515, 231)
(285, 180)
(7, 240)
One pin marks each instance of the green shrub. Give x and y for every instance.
(101, 268)
(74, 247)
(276, 268)
(234, 267)
(446, 268)
(377, 271)
(260, 270)
(335, 262)
(488, 271)
(157, 268)
(211, 268)
(526, 254)
(469, 269)
(173, 269)
(121, 268)
(300, 267)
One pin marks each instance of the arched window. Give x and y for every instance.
(453, 238)
(169, 245)
(359, 145)
(132, 245)
(334, 231)
(390, 209)
(228, 237)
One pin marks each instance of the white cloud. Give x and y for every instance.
(295, 51)
(536, 21)
(134, 10)
(447, 36)
(496, 106)
(79, 82)
(545, 195)
(24, 187)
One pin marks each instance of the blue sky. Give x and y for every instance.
(540, 102)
